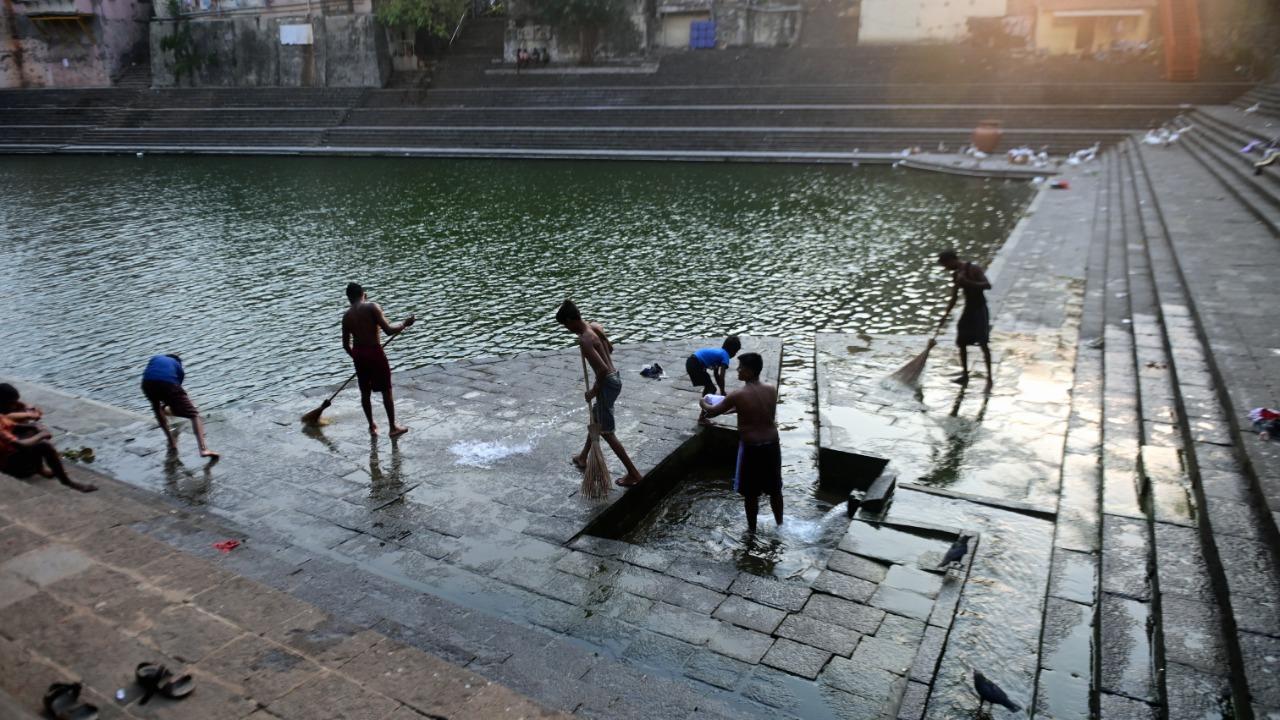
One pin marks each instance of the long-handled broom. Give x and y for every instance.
(909, 374)
(313, 418)
(595, 476)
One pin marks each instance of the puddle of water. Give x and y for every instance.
(998, 621)
(484, 453)
(703, 517)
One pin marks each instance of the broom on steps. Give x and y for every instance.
(910, 373)
(313, 418)
(595, 476)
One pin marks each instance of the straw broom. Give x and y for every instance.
(910, 373)
(313, 418)
(595, 476)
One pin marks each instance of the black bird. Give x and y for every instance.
(990, 692)
(956, 552)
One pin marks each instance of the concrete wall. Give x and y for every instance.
(629, 39)
(1242, 31)
(740, 24)
(88, 53)
(906, 21)
(347, 51)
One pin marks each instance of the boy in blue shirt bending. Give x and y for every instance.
(717, 361)
(162, 384)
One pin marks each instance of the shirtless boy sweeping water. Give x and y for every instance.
(598, 352)
(360, 326)
(759, 469)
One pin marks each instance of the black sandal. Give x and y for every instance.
(150, 676)
(62, 702)
(159, 679)
(178, 687)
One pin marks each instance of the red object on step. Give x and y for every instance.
(1060, 185)
(1180, 24)
(227, 546)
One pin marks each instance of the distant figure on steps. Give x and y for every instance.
(974, 327)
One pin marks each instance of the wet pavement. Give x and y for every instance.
(1109, 573)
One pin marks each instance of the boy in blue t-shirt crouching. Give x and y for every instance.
(717, 361)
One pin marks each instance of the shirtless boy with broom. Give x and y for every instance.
(598, 352)
(759, 470)
(360, 326)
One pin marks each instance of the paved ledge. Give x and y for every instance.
(641, 69)
(84, 598)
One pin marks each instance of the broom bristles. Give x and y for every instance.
(910, 373)
(595, 477)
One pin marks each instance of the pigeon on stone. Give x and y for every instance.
(990, 692)
(956, 552)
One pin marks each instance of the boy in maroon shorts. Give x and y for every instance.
(162, 384)
(360, 326)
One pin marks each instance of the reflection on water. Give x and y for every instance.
(240, 263)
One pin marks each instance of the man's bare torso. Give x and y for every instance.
(361, 322)
(597, 349)
(757, 407)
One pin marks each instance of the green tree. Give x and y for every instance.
(437, 17)
(588, 18)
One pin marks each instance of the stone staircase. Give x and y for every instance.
(1185, 575)
(697, 106)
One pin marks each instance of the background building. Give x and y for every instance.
(70, 43)
(1088, 26)
(313, 43)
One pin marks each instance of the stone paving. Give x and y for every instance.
(463, 539)
(83, 597)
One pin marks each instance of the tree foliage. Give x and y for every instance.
(437, 17)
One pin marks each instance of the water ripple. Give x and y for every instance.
(240, 263)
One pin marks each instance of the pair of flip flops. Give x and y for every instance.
(159, 680)
(62, 702)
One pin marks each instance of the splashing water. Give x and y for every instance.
(483, 454)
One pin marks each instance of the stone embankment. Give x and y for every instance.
(753, 106)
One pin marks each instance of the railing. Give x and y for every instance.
(458, 29)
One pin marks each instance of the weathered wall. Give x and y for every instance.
(898, 21)
(741, 24)
(347, 51)
(70, 54)
(1242, 31)
(525, 30)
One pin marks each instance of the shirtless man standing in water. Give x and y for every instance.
(360, 325)
(598, 351)
(759, 469)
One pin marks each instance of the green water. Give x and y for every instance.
(240, 263)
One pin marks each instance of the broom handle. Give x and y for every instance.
(587, 381)
(353, 375)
